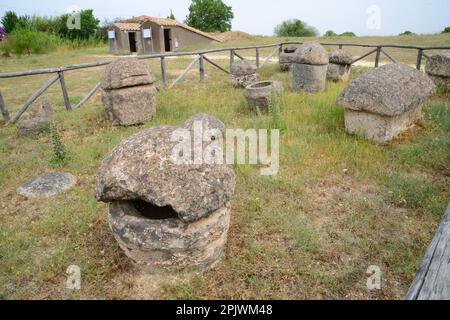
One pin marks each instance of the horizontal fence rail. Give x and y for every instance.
(200, 57)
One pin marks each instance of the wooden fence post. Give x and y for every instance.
(231, 57)
(419, 59)
(201, 65)
(64, 91)
(377, 58)
(257, 57)
(3, 109)
(341, 46)
(163, 70)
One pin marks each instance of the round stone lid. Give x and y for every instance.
(160, 166)
(389, 90)
(438, 65)
(340, 56)
(126, 72)
(311, 53)
(242, 68)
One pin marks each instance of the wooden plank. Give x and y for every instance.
(377, 57)
(163, 70)
(216, 65)
(269, 56)
(3, 109)
(366, 55)
(389, 56)
(419, 59)
(33, 98)
(184, 72)
(88, 96)
(64, 91)
(239, 56)
(201, 67)
(432, 281)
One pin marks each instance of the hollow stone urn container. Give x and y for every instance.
(340, 65)
(286, 58)
(438, 69)
(129, 92)
(386, 101)
(243, 73)
(261, 94)
(168, 209)
(309, 69)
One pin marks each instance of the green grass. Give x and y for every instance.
(309, 232)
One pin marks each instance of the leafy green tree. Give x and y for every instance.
(407, 33)
(89, 26)
(295, 28)
(210, 15)
(348, 34)
(10, 21)
(330, 33)
(446, 30)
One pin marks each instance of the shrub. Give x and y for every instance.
(330, 33)
(446, 30)
(348, 34)
(60, 155)
(25, 41)
(295, 28)
(407, 33)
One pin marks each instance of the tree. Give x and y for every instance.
(330, 33)
(407, 33)
(348, 34)
(210, 15)
(171, 16)
(10, 21)
(446, 30)
(295, 28)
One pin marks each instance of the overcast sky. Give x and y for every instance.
(364, 17)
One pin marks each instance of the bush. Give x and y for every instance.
(407, 33)
(330, 33)
(446, 30)
(295, 28)
(25, 41)
(348, 34)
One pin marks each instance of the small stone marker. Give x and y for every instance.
(243, 73)
(167, 216)
(47, 185)
(38, 119)
(340, 65)
(310, 65)
(386, 101)
(129, 92)
(438, 69)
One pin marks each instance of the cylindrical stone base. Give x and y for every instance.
(309, 78)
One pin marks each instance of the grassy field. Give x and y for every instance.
(338, 205)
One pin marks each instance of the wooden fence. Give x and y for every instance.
(200, 58)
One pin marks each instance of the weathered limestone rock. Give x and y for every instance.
(259, 95)
(167, 215)
(38, 119)
(310, 65)
(385, 101)
(47, 185)
(286, 58)
(340, 65)
(129, 92)
(243, 73)
(438, 69)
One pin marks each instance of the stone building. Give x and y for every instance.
(145, 34)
